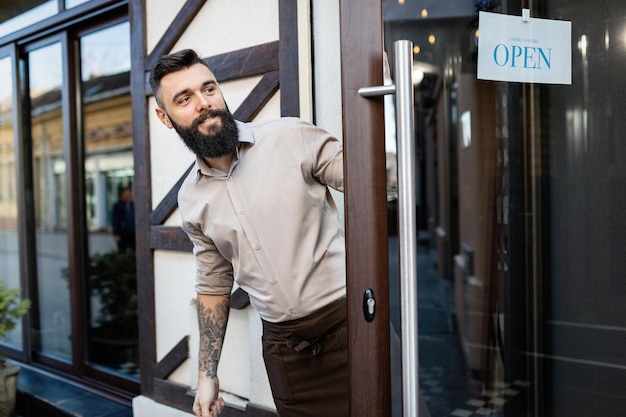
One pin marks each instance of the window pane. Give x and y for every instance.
(25, 13)
(72, 3)
(584, 145)
(112, 328)
(9, 249)
(49, 173)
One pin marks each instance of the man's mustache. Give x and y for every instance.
(205, 115)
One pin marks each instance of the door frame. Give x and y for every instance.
(367, 262)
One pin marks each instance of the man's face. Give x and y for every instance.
(193, 105)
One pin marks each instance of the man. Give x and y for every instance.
(258, 211)
(123, 220)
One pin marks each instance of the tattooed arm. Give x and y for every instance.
(212, 318)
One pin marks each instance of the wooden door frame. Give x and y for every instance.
(367, 260)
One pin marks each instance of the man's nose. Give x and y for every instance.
(204, 102)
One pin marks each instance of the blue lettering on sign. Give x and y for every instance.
(527, 57)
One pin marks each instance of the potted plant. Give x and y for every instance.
(12, 307)
(114, 337)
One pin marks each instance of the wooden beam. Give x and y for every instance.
(181, 397)
(176, 29)
(367, 261)
(142, 189)
(172, 394)
(288, 57)
(169, 203)
(169, 238)
(258, 97)
(246, 62)
(173, 359)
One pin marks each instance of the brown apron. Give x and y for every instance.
(307, 363)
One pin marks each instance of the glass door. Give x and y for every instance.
(520, 192)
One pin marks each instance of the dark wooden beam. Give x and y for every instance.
(173, 359)
(142, 189)
(366, 204)
(239, 299)
(176, 29)
(169, 238)
(181, 397)
(288, 57)
(246, 62)
(257, 98)
(172, 394)
(166, 207)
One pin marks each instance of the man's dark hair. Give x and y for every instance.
(172, 63)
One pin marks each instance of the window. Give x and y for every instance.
(72, 155)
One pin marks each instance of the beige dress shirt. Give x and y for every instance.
(270, 223)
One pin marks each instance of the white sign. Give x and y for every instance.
(524, 49)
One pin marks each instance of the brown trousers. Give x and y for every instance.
(307, 363)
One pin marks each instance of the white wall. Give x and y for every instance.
(222, 26)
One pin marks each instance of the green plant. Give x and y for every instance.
(113, 278)
(12, 307)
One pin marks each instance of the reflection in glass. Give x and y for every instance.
(53, 331)
(109, 171)
(72, 3)
(25, 15)
(9, 251)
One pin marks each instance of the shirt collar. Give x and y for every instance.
(245, 136)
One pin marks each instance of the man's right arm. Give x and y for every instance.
(213, 313)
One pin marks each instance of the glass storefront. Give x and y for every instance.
(521, 252)
(63, 168)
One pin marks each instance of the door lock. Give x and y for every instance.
(369, 305)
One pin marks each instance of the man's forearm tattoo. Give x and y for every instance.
(212, 322)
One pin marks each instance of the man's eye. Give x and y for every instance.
(183, 100)
(209, 90)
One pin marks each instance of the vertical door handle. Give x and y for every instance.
(407, 230)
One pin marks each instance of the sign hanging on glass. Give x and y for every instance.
(524, 49)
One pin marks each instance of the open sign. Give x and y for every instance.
(514, 48)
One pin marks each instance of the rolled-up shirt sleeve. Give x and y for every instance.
(325, 154)
(214, 274)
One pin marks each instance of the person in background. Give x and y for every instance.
(257, 208)
(123, 219)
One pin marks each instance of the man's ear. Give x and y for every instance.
(163, 117)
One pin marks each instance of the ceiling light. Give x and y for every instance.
(424, 13)
(418, 76)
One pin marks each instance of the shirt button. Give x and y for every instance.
(230, 178)
(257, 247)
(290, 313)
(273, 281)
(242, 211)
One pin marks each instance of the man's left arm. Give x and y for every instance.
(326, 153)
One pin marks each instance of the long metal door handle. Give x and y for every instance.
(407, 233)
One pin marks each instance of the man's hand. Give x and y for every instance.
(207, 403)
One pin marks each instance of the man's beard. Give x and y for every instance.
(212, 145)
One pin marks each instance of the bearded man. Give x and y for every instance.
(257, 208)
